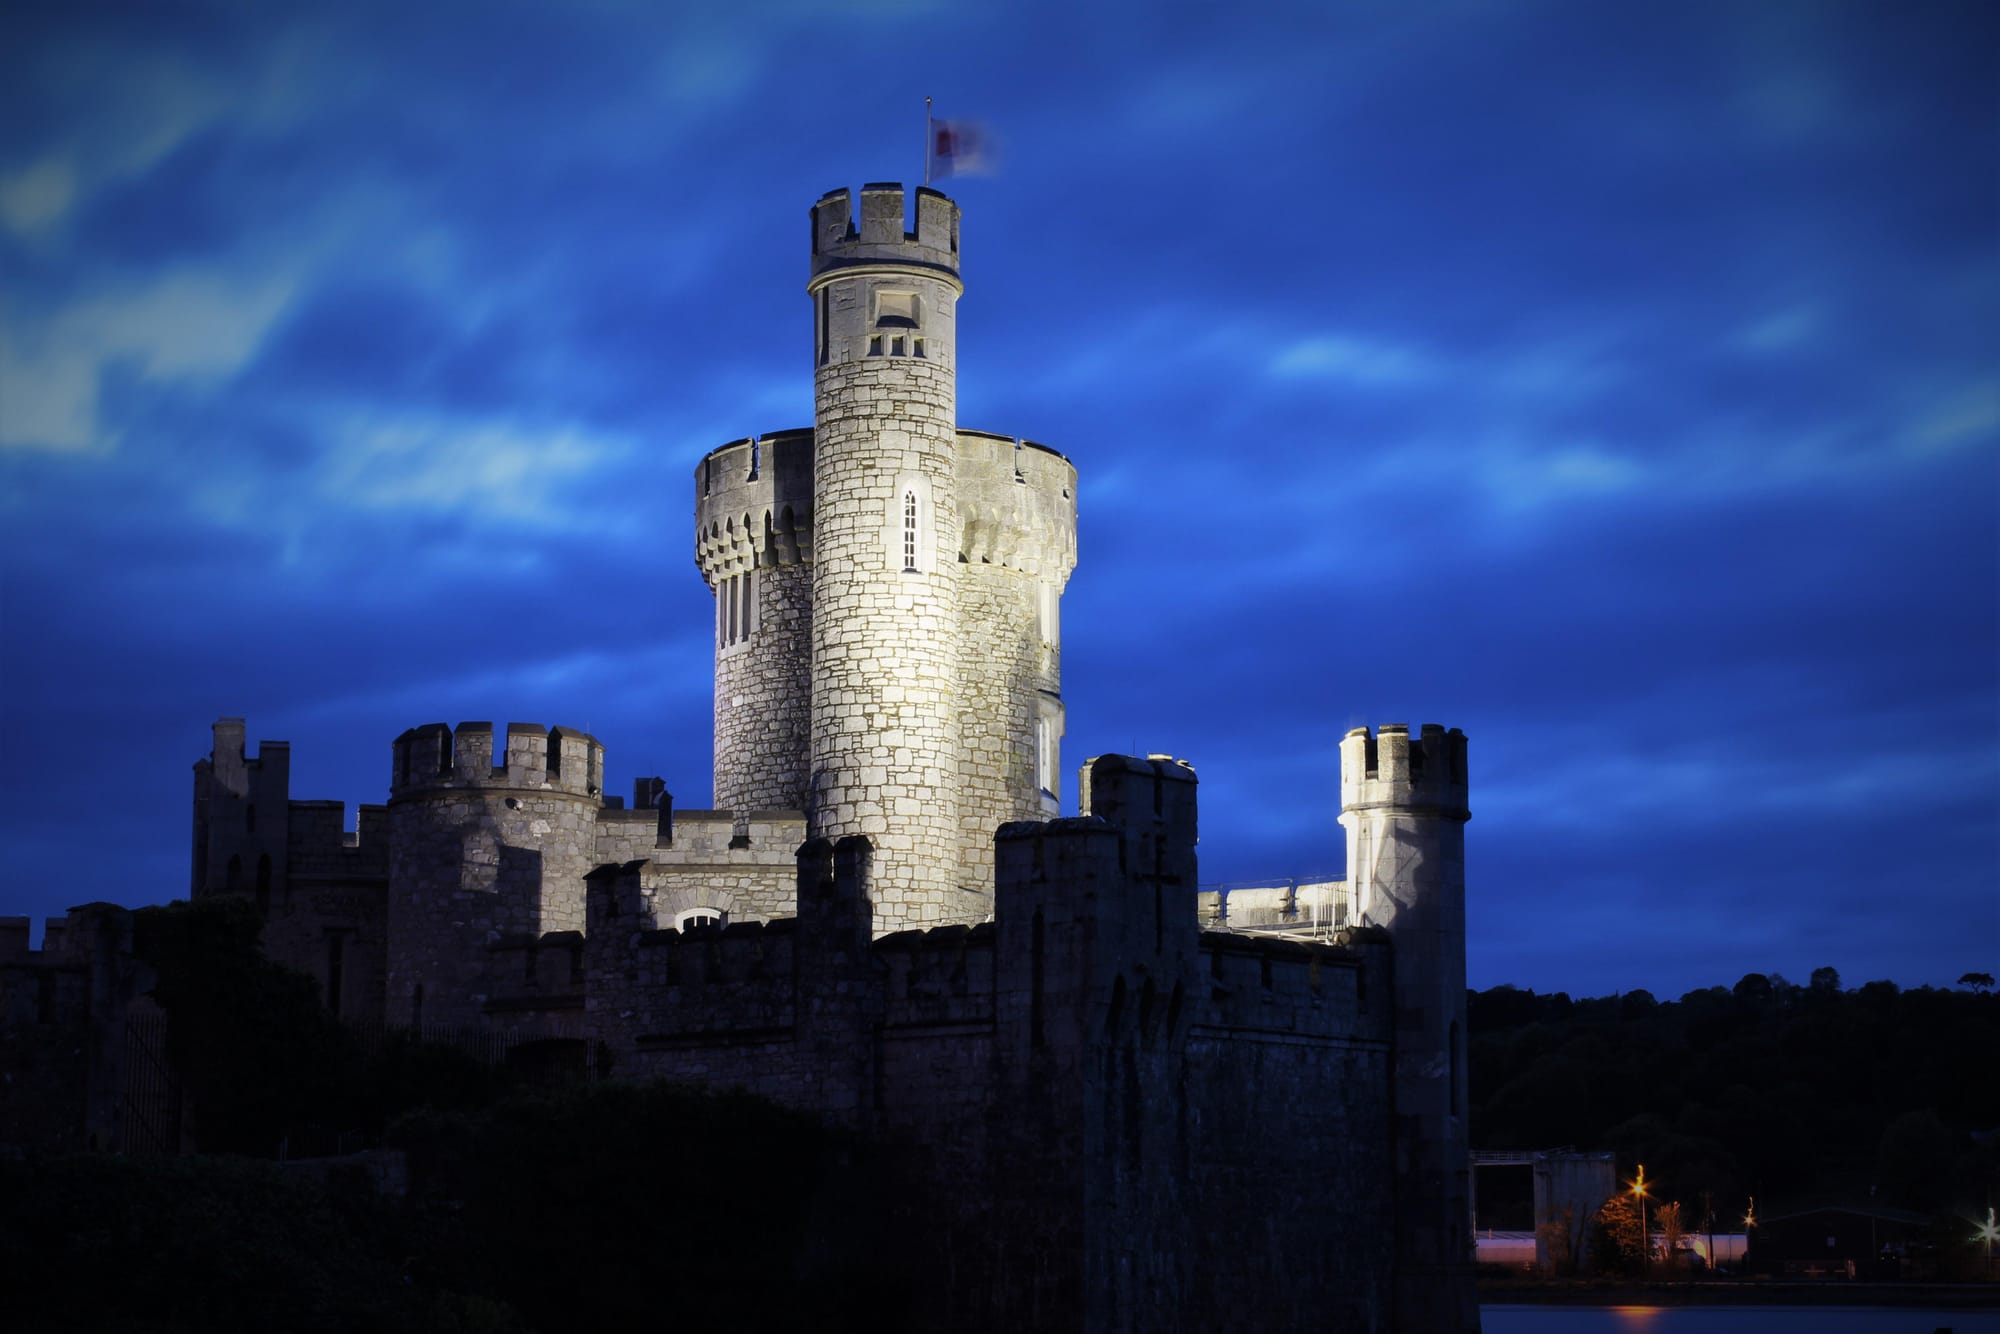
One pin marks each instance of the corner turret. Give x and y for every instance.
(1404, 808)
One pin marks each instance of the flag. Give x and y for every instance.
(959, 148)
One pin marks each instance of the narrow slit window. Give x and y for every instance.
(749, 617)
(895, 347)
(909, 532)
(916, 347)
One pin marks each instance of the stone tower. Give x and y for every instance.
(884, 744)
(485, 844)
(887, 585)
(1404, 808)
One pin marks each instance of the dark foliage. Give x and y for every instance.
(201, 1245)
(1765, 1088)
(261, 1056)
(607, 1207)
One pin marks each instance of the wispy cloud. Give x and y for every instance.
(190, 325)
(502, 471)
(1353, 359)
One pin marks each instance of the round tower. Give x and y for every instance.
(483, 844)
(1017, 546)
(1403, 805)
(753, 544)
(884, 748)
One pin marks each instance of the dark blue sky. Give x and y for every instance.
(1619, 383)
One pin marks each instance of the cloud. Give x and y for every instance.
(1966, 418)
(1355, 360)
(37, 196)
(191, 325)
(502, 471)
(1785, 329)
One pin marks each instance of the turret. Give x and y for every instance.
(242, 810)
(1403, 804)
(753, 544)
(884, 749)
(487, 842)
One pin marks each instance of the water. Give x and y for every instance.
(1512, 1319)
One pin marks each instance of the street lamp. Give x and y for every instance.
(1645, 1239)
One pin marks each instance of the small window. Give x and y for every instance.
(875, 346)
(695, 918)
(909, 532)
(896, 310)
(917, 347)
(895, 347)
(735, 608)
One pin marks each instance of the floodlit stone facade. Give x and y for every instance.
(1119, 1120)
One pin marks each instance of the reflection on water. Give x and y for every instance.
(1509, 1319)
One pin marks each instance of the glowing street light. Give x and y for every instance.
(1645, 1238)
(1989, 1232)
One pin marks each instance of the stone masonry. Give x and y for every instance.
(1111, 1118)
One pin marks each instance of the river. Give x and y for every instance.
(1512, 1319)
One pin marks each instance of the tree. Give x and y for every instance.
(1825, 980)
(1753, 987)
(1668, 1219)
(1557, 1234)
(1977, 981)
(1616, 1241)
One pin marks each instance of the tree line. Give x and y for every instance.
(1791, 1094)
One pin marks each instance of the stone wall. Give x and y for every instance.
(1113, 1120)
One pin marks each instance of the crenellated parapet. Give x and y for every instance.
(1017, 506)
(839, 245)
(437, 758)
(753, 505)
(1389, 769)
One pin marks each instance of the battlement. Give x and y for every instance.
(753, 504)
(545, 967)
(66, 979)
(1270, 985)
(60, 946)
(940, 975)
(1386, 770)
(437, 757)
(881, 241)
(1016, 505)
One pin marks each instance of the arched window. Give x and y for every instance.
(909, 535)
(700, 917)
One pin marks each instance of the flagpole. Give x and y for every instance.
(927, 141)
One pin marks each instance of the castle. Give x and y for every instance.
(1126, 1115)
